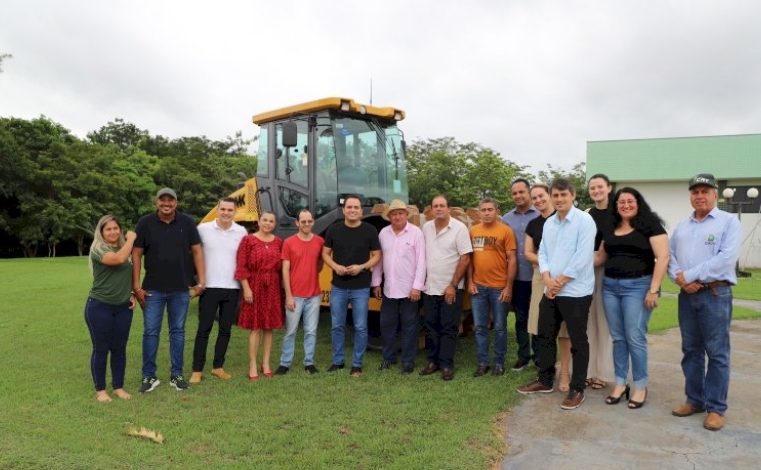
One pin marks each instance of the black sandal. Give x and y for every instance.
(596, 384)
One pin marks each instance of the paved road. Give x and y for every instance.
(541, 435)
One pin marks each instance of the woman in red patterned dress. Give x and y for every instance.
(258, 270)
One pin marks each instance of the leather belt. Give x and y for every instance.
(713, 285)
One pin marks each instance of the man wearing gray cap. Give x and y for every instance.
(169, 240)
(704, 249)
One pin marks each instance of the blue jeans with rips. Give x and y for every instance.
(704, 320)
(309, 309)
(624, 301)
(340, 299)
(487, 299)
(176, 303)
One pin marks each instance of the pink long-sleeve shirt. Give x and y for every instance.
(403, 264)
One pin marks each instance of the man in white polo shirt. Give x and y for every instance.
(447, 254)
(220, 239)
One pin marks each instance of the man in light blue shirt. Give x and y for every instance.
(518, 219)
(704, 249)
(566, 261)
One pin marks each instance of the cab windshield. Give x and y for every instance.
(364, 157)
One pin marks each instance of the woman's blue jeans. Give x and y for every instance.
(624, 301)
(109, 327)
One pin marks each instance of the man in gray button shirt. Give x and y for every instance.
(518, 219)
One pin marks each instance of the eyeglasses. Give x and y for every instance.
(626, 202)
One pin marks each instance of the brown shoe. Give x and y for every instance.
(447, 373)
(195, 378)
(429, 369)
(688, 409)
(573, 400)
(221, 374)
(714, 421)
(481, 370)
(535, 387)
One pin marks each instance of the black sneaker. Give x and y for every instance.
(408, 369)
(356, 372)
(335, 367)
(281, 370)
(520, 364)
(385, 365)
(179, 383)
(498, 370)
(311, 369)
(149, 384)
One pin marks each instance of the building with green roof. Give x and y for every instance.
(660, 169)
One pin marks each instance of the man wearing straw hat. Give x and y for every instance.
(402, 270)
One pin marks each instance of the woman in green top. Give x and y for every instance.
(108, 312)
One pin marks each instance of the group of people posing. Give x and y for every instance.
(581, 282)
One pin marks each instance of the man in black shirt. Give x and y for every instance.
(351, 250)
(169, 240)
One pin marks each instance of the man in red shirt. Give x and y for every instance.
(302, 263)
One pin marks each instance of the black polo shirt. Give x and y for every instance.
(168, 259)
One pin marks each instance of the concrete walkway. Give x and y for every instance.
(597, 435)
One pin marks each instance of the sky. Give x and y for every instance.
(532, 80)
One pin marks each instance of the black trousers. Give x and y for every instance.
(520, 303)
(552, 312)
(213, 300)
(442, 321)
(392, 313)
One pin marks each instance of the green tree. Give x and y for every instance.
(31, 152)
(108, 180)
(466, 173)
(120, 133)
(577, 176)
(54, 186)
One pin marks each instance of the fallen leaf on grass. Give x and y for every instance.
(144, 433)
(344, 429)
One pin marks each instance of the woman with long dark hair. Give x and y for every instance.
(108, 312)
(635, 255)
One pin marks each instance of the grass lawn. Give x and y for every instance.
(50, 419)
(665, 316)
(748, 288)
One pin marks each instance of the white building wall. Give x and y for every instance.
(672, 202)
